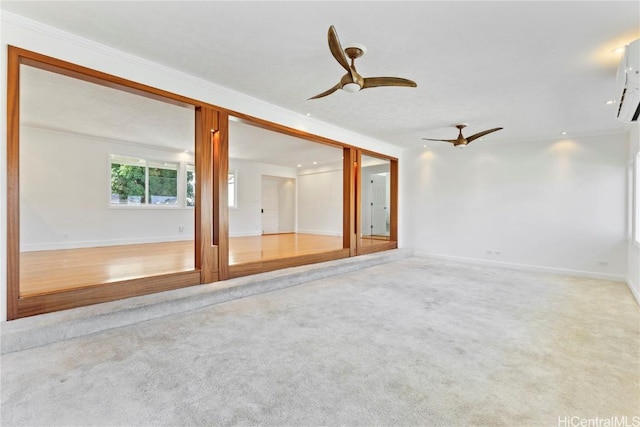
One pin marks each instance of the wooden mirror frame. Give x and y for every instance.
(211, 212)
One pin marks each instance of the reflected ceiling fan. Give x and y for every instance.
(352, 81)
(461, 141)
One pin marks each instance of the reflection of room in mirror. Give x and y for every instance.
(285, 186)
(375, 198)
(103, 172)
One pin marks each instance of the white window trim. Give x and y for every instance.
(181, 177)
(235, 189)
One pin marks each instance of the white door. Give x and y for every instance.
(379, 205)
(269, 206)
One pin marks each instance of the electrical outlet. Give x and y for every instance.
(603, 263)
(181, 228)
(65, 236)
(496, 252)
(489, 252)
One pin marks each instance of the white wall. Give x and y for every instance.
(30, 35)
(556, 205)
(365, 198)
(245, 219)
(320, 201)
(64, 195)
(633, 249)
(287, 205)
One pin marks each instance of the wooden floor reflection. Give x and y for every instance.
(44, 272)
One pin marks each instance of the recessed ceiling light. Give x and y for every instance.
(315, 163)
(299, 166)
(609, 102)
(564, 133)
(308, 114)
(618, 50)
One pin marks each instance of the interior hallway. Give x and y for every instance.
(410, 342)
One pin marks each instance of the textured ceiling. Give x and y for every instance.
(535, 68)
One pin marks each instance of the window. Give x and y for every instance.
(141, 182)
(163, 183)
(232, 197)
(137, 182)
(128, 181)
(191, 185)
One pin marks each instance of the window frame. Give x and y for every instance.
(146, 163)
(232, 194)
(189, 167)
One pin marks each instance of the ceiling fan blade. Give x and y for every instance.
(387, 81)
(481, 134)
(336, 49)
(442, 140)
(327, 92)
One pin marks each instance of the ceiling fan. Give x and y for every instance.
(352, 81)
(461, 141)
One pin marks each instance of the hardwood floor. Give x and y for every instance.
(276, 246)
(44, 272)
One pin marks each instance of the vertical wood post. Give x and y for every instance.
(350, 174)
(206, 251)
(13, 181)
(220, 193)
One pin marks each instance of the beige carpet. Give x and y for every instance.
(413, 342)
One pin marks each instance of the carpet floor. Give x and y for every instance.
(414, 342)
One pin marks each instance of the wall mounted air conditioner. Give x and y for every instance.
(628, 83)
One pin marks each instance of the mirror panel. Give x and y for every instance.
(375, 200)
(288, 195)
(104, 184)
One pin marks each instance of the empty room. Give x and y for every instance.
(419, 213)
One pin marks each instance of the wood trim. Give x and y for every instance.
(220, 194)
(106, 292)
(211, 221)
(240, 270)
(205, 247)
(358, 199)
(275, 127)
(363, 250)
(393, 226)
(13, 183)
(350, 174)
(49, 63)
(69, 69)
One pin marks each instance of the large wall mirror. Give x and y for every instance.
(285, 195)
(107, 182)
(376, 214)
(106, 198)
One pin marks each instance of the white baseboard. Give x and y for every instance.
(99, 243)
(634, 290)
(320, 232)
(245, 234)
(529, 267)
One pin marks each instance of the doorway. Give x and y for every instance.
(278, 205)
(379, 204)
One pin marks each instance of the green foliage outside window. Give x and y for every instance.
(127, 181)
(163, 183)
(191, 189)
